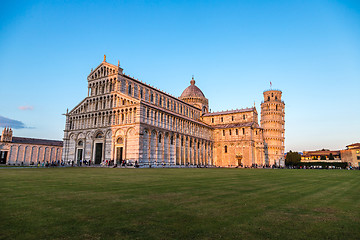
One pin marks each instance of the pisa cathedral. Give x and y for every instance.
(123, 118)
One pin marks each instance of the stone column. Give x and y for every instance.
(169, 150)
(156, 147)
(188, 151)
(149, 148)
(176, 160)
(163, 148)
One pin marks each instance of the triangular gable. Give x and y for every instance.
(127, 100)
(78, 106)
(103, 70)
(127, 97)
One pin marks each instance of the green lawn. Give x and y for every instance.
(101, 203)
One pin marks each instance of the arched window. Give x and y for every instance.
(230, 132)
(129, 89)
(172, 140)
(275, 97)
(148, 113)
(212, 120)
(244, 116)
(222, 119)
(243, 131)
(159, 138)
(151, 98)
(225, 149)
(276, 107)
(236, 131)
(232, 118)
(99, 135)
(268, 98)
(141, 93)
(80, 143)
(223, 132)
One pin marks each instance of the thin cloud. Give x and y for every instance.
(7, 122)
(24, 108)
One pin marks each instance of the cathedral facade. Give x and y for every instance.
(123, 118)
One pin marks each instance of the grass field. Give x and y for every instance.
(101, 203)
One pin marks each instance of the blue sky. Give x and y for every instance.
(308, 49)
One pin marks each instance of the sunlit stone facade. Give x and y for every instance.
(22, 151)
(123, 118)
(273, 123)
(238, 139)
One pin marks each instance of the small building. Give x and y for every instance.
(351, 155)
(28, 151)
(323, 155)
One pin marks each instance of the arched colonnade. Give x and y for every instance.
(168, 148)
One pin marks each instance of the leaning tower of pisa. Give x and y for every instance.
(273, 122)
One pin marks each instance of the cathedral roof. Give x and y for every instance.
(236, 125)
(229, 112)
(36, 141)
(192, 91)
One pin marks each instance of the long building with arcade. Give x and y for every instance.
(123, 118)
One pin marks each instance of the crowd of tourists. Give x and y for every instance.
(162, 164)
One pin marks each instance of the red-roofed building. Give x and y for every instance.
(351, 155)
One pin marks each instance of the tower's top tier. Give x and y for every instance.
(272, 95)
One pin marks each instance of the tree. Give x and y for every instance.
(292, 158)
(323, 157)
(331, 157)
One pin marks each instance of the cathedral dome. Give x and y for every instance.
(192, 91)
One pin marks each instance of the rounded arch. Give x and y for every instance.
(130, 132)
(72, 136)
(81, 136)
(80, 143)
(154, 132)
(108, 133)
(119, 132)
(98, 134)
